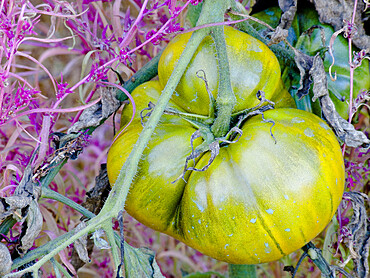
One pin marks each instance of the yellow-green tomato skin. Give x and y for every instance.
(258, 201)
(253, 67)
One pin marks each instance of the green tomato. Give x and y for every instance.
(311, 45)
(253, 67)
(258, 201)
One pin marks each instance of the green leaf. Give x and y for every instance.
(140, 262)
(193, 14)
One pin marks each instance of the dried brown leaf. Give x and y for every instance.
(359, 227)
(80, 244)
(336, 12)
(32, 226)
(313, 71)
(289, 8)
(94, 115)
(5, 260)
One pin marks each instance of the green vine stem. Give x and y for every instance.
(146, 73)
(51, 194)
(242, 271)
(225, 97)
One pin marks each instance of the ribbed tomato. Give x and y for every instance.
(259, 200)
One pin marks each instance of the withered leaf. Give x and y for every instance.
(25, 192)
(94, 115)
(312, 71)
(304, 63)
(359, 226)
(33, 226)
(336, 13)
(342, 128)
(289, 8)
(80, 244)
(5, 260)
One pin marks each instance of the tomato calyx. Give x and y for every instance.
(204, 125)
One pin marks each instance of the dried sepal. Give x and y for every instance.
(99, 241)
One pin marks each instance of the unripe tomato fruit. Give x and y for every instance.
(259, 200)
(253, 67)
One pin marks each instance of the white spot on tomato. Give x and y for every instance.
(270, 211)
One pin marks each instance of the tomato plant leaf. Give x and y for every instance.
(342, 128)
(31, 227)
(140, 262)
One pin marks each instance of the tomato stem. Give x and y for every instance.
(226, 99)
(242, 270)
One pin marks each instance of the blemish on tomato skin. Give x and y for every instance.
(287, 230)
(253, 220)
(297, 120)
(267, 249)
(270, 211)
(309, 132)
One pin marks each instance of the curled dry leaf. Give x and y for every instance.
(23, 206)
(5, 260)
(343, 129)
(80, 244)
(304, 63)
(32, 225)
(312, 71)
(17, 205)
(96, 114)
(336, 13)
(359, 240)
(289, 8)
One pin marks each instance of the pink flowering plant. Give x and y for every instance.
(66, 69)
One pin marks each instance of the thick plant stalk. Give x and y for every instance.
(225, 97)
